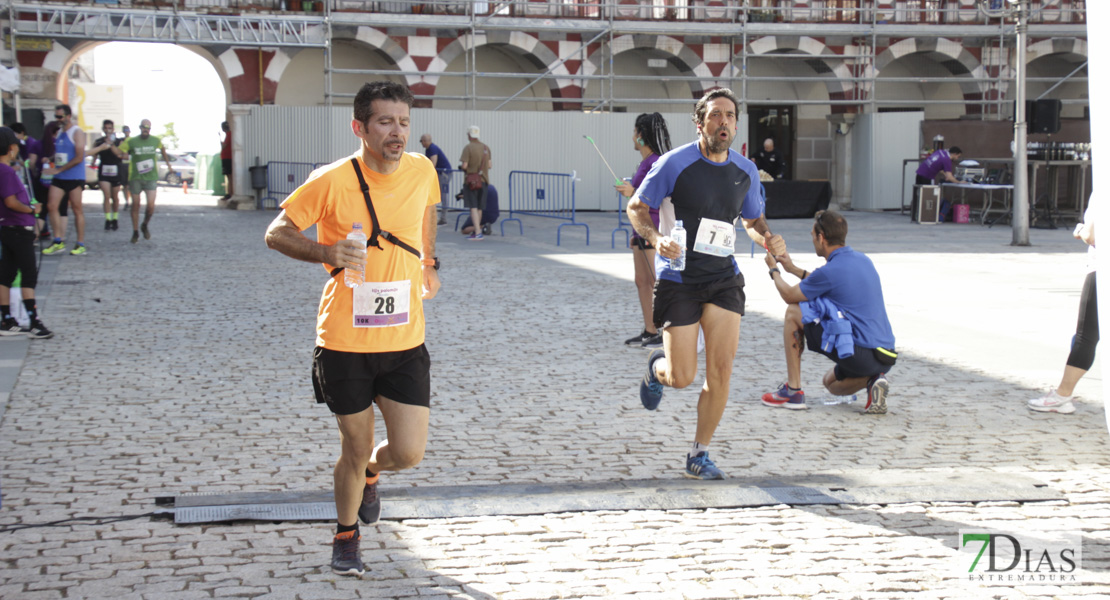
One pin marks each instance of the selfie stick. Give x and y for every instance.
(619, 181)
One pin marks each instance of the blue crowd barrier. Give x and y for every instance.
(548, 195)
(282, 178)
(622, 224)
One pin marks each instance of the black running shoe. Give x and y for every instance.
(637, 340)
(115, 224)
(345, 559)
(39, 331)
(654, 340)
(107, 224)
(371, 508)
(146, 231)
(9, 327)
(134, 237)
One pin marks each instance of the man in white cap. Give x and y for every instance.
(475, 161)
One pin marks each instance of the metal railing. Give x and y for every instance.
(726, 11)
(282, 178)
(548, 195)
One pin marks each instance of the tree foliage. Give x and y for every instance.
(169, 137)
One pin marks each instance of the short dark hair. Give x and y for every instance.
(379, 90)
(7, 140)
(703, 105)
(832, 225)
(64, 108)
(18, 128)
(108, 122)
(955, 150)
(225, 126)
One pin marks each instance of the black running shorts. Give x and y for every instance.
(862, 363)
(348, 382)
(681, 304)
(67, 185)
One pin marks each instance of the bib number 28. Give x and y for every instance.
(381, 304)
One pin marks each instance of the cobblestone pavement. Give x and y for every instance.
(181, 365)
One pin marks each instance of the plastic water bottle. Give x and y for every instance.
(678, 234)
(46, 179)
(355, 276)
(833, 400)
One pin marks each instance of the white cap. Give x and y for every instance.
(473, 131)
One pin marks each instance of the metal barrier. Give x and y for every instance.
(282, 178)
(549, 195)
(621, 223)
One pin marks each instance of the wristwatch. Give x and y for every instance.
(431, 262)
(772, 272)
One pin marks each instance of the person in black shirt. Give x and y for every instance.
(110, 172)
(770, 160)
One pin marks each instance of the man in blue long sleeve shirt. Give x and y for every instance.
(849, 284)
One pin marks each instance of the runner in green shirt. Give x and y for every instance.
(143, 175)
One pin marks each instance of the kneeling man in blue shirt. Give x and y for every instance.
(837, 310)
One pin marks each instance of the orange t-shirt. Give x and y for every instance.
(331, 200)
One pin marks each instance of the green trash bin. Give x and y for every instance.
(210, 175)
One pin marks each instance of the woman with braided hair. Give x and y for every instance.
(651, 139)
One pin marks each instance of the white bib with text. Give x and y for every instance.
(145, 166)
(382, 304)
(109, 170)
(715, 238)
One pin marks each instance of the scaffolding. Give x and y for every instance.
(736, 23)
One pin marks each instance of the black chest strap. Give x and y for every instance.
(375, 230)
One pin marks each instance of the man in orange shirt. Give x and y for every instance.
(370, 338)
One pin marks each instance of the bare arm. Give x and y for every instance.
(14, 204)
(760, 233)
(791, 294)
(284, 236)
(431, 275)
(166, 157)
(949, 177)
(1086, 232)
(640, 216)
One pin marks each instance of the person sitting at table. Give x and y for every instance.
(937, 166)
(770, 160)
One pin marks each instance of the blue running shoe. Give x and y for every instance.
(701, 467)
(651, 389)
(782, 397)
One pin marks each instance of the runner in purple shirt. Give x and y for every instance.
(651, 139)
(17, 243)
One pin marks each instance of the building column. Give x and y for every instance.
(841, 175)
(244, 198)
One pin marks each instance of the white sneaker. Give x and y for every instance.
(1052, 402)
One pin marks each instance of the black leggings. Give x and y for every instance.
(1086, 330)
(17, 253)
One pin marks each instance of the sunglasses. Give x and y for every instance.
(817, 222)
(59, 116)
